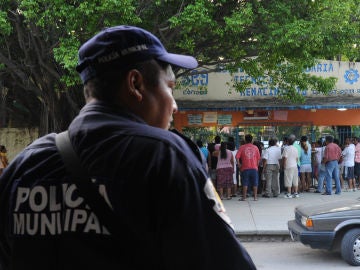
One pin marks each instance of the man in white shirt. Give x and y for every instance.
(271, 167)
(321, 166)
(290, 158)
(349, 162)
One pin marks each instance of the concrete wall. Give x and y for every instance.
(16, 139)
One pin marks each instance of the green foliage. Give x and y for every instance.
(206, 135)
(285, 36)
(66, 55)
(74, 22)
(5, 27)
(38, 50)
(195, 20)
(273, 41)
(356, 131)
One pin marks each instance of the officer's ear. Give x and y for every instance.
(135, 84)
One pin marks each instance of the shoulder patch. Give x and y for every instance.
(219, 208)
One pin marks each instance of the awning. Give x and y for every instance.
(328, 102)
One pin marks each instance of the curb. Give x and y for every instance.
(265, 236)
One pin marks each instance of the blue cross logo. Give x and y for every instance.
(351, 76)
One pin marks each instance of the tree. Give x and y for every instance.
(273, 41)
(38, 52)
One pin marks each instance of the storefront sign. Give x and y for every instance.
(215, 85)
(194, 119)
(224, 119)
(210, 117)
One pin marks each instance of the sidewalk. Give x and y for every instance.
(268, 217)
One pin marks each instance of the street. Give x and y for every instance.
(292, 255)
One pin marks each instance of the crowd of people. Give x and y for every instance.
(223, 163)
(294, 167)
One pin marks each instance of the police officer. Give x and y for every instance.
(153, 179)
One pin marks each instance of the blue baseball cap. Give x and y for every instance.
(121, 46)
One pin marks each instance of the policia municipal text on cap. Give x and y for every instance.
(166, 211)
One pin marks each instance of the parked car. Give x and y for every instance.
(331, 225)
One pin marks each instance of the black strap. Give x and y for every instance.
(84, 183)
(117, 228)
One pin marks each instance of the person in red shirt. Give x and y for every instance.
(331, 157)
(248, 157)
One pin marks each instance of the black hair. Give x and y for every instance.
(211, 147)
(217, 139)
(223, 153)
(329, 139)
(320, 142)
(231, 146)
(272, 142)
(259, 145)
(248, 138)
(105, 86)
(199, 143)
(304, 144)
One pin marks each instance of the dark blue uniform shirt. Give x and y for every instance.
(154, 181)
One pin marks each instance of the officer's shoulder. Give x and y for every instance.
(42, 142)
(172, 138)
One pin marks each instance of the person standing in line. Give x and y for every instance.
(217, 141)
(213, 163)
(298, 147)
(224, 171)
(290, 159)
(322, 172)
(231, 147)
(348, 155)
(357, 161)
(262, 176)
(4, 162)
(285, 143)
(271, 163)
(316, 160)
(341, 164)
(314, 163)
(205, 153)
(242, 142)
(305, 164)
(237, 170)
(176, 220)
(332, 155)
(261, 181)
(248, 158)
